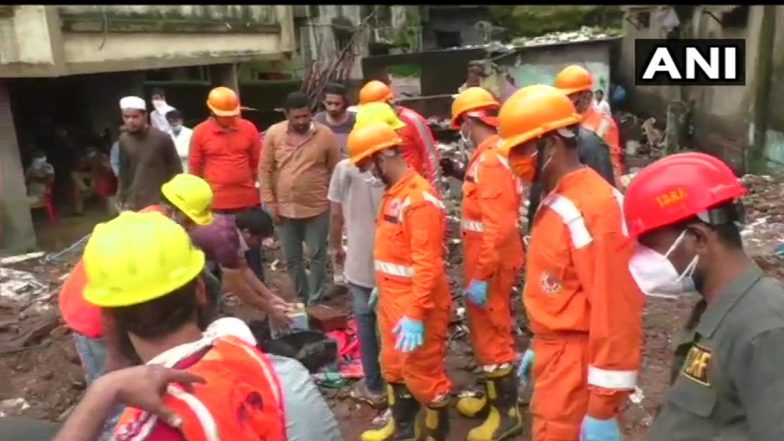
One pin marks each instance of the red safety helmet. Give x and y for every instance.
(677, 188)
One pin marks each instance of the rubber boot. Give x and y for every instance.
(503, 420)
(474, 407)
(402, 426)
(437, 421)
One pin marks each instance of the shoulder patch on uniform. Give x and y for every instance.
(550, 283)
(697, 364)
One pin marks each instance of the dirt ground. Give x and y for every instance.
(41, 378)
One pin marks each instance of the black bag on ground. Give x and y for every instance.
(311, 348)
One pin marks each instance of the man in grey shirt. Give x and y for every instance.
(336, 116)
(355, 198)
(728, 381)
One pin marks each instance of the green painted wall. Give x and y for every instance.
(530, 74)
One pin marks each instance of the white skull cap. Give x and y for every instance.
(133, 103)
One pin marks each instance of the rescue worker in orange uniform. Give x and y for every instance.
(419, 146)
(493, 256)
(583, 305)
(143, 271)
(414, 302)
(577, 82)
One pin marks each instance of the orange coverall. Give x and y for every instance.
(605, 126)
(584, 307)
(410, 276)
(419, 145)
(492, 248)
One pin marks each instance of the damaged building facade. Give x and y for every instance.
(71, 64)
(741, 124)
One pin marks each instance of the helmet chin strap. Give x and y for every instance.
(541, 164)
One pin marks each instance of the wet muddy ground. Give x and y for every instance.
(40, 374)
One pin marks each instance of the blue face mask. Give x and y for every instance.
(176, 128)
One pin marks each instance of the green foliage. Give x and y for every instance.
(531, 21)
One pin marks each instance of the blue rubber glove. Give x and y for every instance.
(410, 334)
(373, 299)
(593, 429)
(524, 371)
(477, 293)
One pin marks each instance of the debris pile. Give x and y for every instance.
(763, 231)
(40, 372)
(584, 34)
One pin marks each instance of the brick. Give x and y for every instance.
(326, 318)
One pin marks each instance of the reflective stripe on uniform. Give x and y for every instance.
(504, 162)
(433, 200)
(393, 269)
(619, 198)
(572, 218)
(208, 425)
(427, 197)
(472, 225)
(616, 380)
(138, 429)
(432, 151)
(604, 127)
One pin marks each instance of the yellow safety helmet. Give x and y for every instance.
(192, 195)
(138, 257)
(378, 112)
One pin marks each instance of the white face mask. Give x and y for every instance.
(465, 140)
(371, 179)
(158, 104)
(39, 162)
(657, 277)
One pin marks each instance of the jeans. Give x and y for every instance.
(313, 231)
(92, 353)
(255, 261)
(368, 337)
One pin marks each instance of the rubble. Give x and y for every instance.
(584, 34)
(23, 289)
(764, 213)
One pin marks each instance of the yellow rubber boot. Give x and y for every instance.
(473, 407)
(503, 420)
(437, 421)
(402, 426)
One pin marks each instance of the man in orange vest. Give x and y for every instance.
(583, 305)
(493, 256)
(187, 199)
(416, 130)
(577, 82)
(143, 271)
(414, 303)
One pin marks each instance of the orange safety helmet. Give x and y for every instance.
(656, 198)
(367, 140)
(574, 79)
(375, 92)
(223, 101)
(474, 99)
(531, 112)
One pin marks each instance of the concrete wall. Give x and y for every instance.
(16, 225)
(454, 19)
(722, 114)
(540, 64)
(317, 38)
(66, 40)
